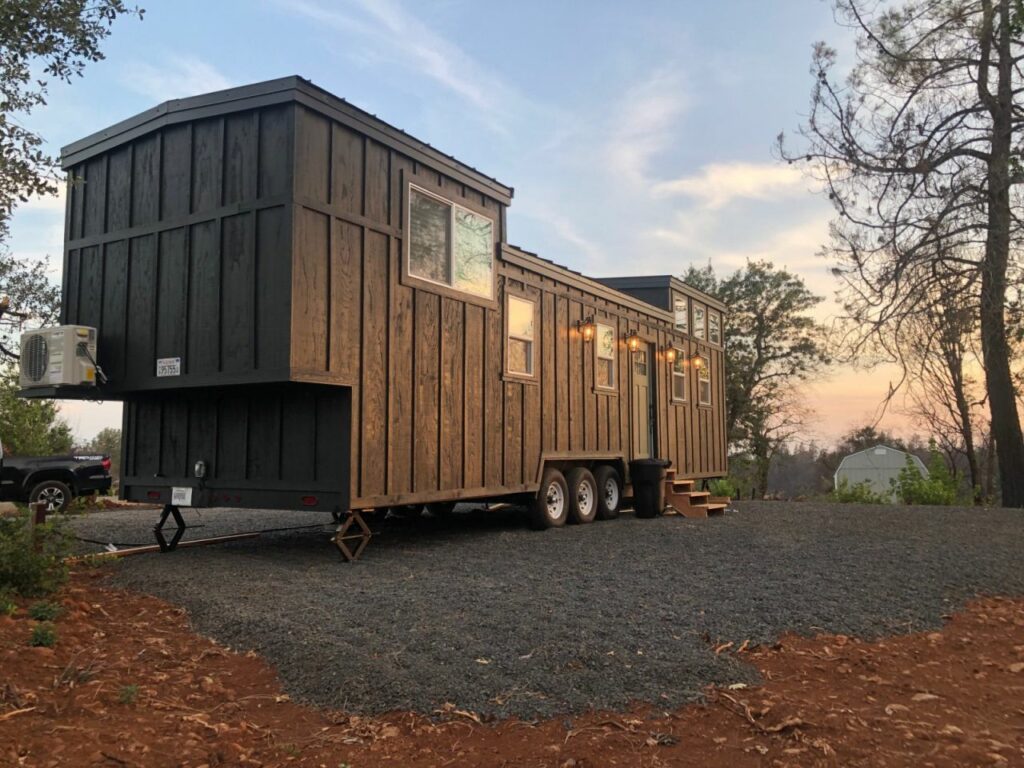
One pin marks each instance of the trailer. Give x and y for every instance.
(302, 306)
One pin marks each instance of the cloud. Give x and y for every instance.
(718, 184)
(391, 33)
(649, 114)
(176, 77)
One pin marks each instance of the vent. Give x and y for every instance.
(35, 357)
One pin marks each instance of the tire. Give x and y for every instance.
(550, 507)
(582, 495)
(609, 492)
(441, 509)
(56, 494)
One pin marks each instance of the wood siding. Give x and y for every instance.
(178, 245)
(434, 416)
(267, 245)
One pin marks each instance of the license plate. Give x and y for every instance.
(181, 497)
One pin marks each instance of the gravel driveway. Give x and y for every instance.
(482, 612)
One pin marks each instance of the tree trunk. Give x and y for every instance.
(995, 350)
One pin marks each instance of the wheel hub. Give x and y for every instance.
(555, 501)
(53, 498)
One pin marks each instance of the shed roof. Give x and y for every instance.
(293, 88)
(663, 281)
(889, 458)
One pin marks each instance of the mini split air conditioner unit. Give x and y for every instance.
(61, 356)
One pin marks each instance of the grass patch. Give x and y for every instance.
(45, 611)
(128, 694)
(32, 557)
(43, 636)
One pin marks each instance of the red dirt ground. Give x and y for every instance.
(129, 684)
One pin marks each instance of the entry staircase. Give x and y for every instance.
(681, 496)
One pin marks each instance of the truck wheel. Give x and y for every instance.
(550, 508)
(582, 495)
(55, 494)
(609, 492)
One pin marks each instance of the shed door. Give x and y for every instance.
(642, 403)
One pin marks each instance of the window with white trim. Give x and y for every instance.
(450, 245)
(704, 382)
(699, 329)
(521, 318)
(681, 306)
(714, 327)
(679, 377)
(604, 350)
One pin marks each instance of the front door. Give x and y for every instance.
(642, 402)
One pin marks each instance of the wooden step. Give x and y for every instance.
(679, 486)
(691, 510)
(670, 473)
(716, 508)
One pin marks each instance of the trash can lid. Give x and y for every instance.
(651, 462)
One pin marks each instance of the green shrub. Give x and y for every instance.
(128, 694)
(27, 568)
(939, 488)
(44, 611)
(858, 493)
(43, 636)
(7, 605)
(722, 486)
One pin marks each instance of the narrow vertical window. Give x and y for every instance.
(604, 349)
(704, 382)
(682, 312)
(715, 327)
(521, 315)
(450, 245)
(679, 377)
(699, 329)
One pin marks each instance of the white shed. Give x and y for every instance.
(877, 466)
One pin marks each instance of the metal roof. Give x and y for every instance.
(281, 90)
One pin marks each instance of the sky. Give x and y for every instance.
(638, 136)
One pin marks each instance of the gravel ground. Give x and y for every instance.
(484, 613)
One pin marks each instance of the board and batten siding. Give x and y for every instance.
(433, 414)
(177, 245)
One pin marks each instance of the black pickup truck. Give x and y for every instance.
(53, 479)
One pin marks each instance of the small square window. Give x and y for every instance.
(682, 313)
(450, 245)
(604, 347)
(704, 383)
(521, 318)
(699, 330)
(679, 377)
(715, 327)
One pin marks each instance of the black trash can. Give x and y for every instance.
(648, 478)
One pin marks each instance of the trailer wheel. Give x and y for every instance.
(609, 492)
(550, 508)
(582, 495)
(55, 494)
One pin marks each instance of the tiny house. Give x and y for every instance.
(302, 306)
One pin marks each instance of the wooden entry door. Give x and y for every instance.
(643, 394)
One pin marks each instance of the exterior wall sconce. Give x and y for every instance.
(670, 354)
(697, 361)
(633, 341)
(586, 328)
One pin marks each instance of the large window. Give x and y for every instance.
(604, 372)
(450, 245)
(521, 315)
(703, 382)
(714, 327)
(681, 305)
(699, 329)
(679, 377)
